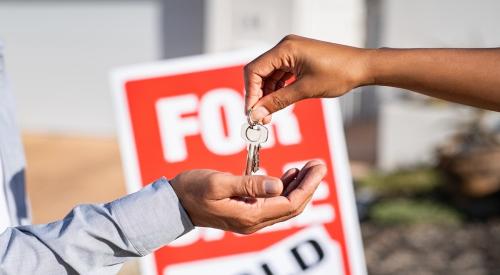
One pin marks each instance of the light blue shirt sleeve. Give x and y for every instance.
(97, 238)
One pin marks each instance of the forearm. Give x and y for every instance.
(468, 76)
(96, 239)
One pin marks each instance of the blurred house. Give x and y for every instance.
(410, 125)
(59, 54)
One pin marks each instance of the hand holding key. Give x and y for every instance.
(245, 204)
(320, 69)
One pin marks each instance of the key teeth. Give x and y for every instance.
(253, 160)
(256, 159)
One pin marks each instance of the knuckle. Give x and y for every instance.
(251, 231)
(246, 222)
(211, 184)
(289, 37)
(249, 185)
(248, 68)
(288, 43)
(278, 101)
(294, 213)
(257, 216)
(300, 209)
(212, 178)
(239, 231)
(295, 210)
(289, 212)
(246, 231)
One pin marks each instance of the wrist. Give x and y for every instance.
(369, 65)
(176, 187)
(386, 66)
(179, 192)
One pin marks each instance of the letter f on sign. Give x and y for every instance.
(173, 127)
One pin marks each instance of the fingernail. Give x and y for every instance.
(271, 187)
(259, 113)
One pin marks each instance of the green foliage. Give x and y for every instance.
(408, 211)
(404, 182)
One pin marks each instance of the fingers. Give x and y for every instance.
(271, 82)
(288, 177)
(263, 205)
(299, 177)
(274, 65)
(228, 186)
(254, 74)
(276, 81)
(277, 100)
(315, 172)
(299, 197)
(267, 119)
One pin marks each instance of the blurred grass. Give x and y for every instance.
(411, 211)
(407, 197)
(402, 182)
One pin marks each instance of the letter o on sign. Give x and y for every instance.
(213, 105)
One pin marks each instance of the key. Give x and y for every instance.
(256, 159)
(254, 135)
(250, 164)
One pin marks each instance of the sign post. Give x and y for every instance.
(186, 113)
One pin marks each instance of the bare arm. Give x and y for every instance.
(467, 76)
(322, 69)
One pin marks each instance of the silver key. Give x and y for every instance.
(254, 135)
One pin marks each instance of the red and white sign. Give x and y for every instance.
(186, 113)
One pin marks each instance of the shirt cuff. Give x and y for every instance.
(151, 217)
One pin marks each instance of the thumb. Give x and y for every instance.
(276, 101)
(254, 186)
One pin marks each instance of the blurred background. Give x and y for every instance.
(427, 173)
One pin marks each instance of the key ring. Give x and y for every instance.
(249, 118)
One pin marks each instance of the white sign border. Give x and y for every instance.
(332, 117)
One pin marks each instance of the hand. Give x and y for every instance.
(321, 69)
(245, 204)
